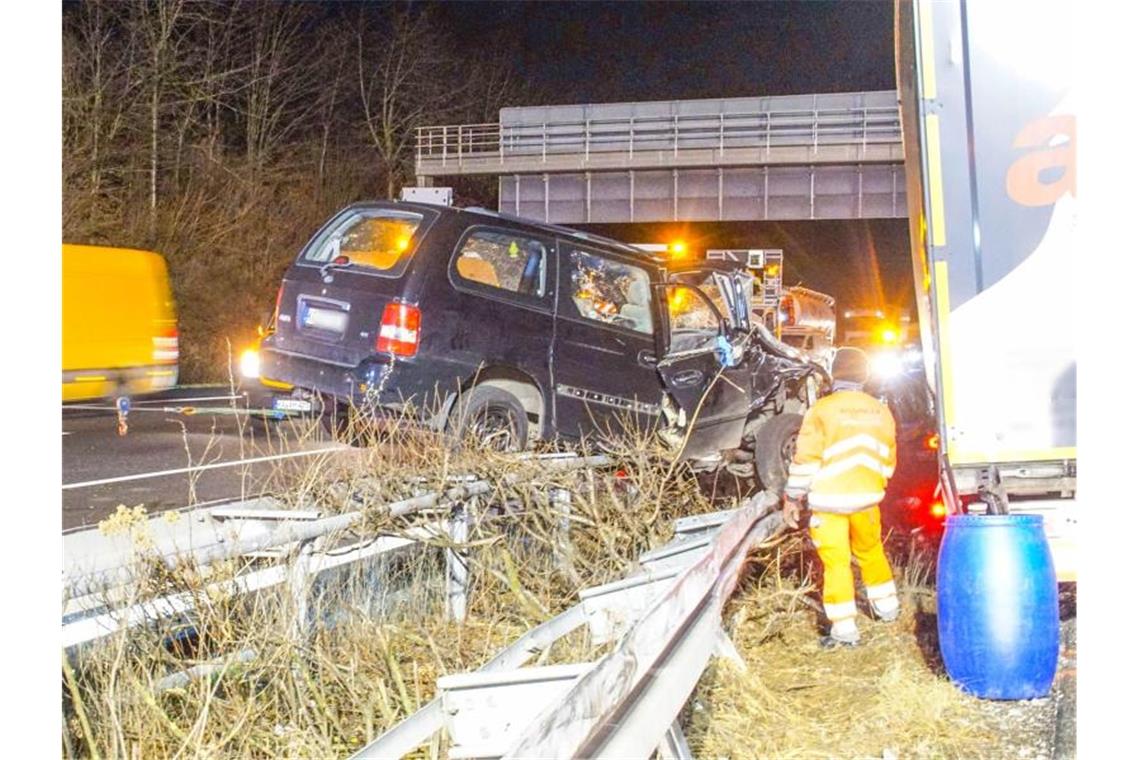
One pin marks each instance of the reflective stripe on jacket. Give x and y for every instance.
(845, 453)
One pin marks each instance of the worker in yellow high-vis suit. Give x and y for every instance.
(845, 453)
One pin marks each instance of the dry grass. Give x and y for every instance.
(378, 637)
(886, 697)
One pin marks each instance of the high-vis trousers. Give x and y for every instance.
(837, 537)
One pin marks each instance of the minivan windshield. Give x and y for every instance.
(374, 239)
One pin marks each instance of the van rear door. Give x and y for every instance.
(119, 328)
(333, 299)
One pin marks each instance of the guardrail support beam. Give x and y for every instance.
(457, 567)
(299, 584)
(674, 746)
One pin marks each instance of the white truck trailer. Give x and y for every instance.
(989, 124)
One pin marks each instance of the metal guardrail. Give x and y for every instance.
(625, 704)
(90, 612)
(451, 145)
(665, 618)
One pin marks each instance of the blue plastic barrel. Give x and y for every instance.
(998, 619)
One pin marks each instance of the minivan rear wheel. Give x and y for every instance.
(491, 418)
(775, 446)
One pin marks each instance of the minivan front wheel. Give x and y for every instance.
(775, 446)
(491, 418)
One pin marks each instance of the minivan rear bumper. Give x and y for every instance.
(383, 381)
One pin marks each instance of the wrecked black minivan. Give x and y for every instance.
(512, 331)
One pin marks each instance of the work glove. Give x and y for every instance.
(793, 510)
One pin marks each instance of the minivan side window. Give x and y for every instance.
(707, 283)
(374, 240)
(609, 291)
(504, 260)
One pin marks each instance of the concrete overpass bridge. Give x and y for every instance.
(795, 157)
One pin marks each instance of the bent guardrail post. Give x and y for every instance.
(560, 500)
(456, 558)
(299, 584)
(626, 703)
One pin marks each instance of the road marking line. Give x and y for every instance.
(67, 432)
(199, 468)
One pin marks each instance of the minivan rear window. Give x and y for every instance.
(375, 239)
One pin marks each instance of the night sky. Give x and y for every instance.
(602, 51)
(577, 52)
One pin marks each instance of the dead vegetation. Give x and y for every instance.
(887, 698)
(377, 635)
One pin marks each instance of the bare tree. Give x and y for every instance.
(280, 96)
(157, 25)
(220, 132)
(98, 94)
(407, 77)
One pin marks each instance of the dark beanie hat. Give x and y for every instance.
(850, 365)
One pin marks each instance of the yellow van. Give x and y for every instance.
(120, 333)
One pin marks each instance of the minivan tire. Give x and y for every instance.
(495, 410)
(774, 447)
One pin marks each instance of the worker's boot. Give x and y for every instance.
(886, 609)
(844, 633)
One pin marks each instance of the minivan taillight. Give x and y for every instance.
(399, 330)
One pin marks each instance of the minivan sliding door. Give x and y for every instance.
(604, 354)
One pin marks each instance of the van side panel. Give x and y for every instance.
(119, 326)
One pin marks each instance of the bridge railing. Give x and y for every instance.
(454, 144)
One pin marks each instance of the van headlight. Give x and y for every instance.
(250, 364)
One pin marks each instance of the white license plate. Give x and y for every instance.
(292, 405)
(325, 319)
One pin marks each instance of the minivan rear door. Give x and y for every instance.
(333, 297)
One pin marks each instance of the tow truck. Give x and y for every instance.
(798, 316)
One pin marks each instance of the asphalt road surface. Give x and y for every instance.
(169, 459)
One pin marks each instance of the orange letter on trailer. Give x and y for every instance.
(1023, 180)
